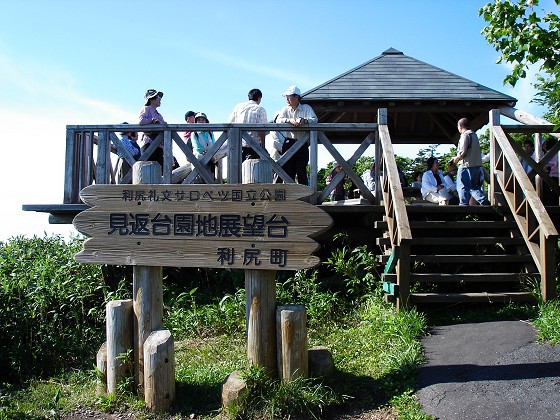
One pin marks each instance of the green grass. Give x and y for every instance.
(376, 350)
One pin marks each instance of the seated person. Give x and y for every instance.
(418, 177)
(369, 178)
(129, 140)
(450, 182)
(202, 141)
(433, 188)
(402, 178)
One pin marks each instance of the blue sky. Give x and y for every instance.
(90, 62)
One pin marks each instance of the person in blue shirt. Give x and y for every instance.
(129, 140)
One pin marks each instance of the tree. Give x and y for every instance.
(525, 35)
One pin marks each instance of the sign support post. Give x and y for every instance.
(260, 290)
(147, 286)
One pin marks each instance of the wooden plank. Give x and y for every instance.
(71, 195)
(471, 297)
(466, 259)
(491, 240)
(429, 278)
(243, 254)
(104, 195)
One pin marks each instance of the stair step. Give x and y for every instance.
(466, 258)
(463, 277)
(471, 297)
(454, 224)
(475, 240)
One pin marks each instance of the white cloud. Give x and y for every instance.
(43, 100)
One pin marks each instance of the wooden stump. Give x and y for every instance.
(256, 171)
(119, 342)
(101, 364)
(291, 330)
(159, 370)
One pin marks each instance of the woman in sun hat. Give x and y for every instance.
(150, 115)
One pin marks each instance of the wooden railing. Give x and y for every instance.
(395, 213)
(537, 229)
(90, 154)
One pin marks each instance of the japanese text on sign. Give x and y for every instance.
(179, 194)
(205, 225)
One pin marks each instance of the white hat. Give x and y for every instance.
(292, 90)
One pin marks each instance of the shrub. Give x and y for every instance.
(51, 307)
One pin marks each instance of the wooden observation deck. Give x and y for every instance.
(430, 253)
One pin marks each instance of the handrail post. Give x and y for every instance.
(234, 156)
(313, 165)
(548, 266)
(103, 149)
(70, 193)
(167, 156)
(494, 119)
(377, 163)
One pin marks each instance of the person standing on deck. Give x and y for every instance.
(150, 115)
(338, 192)
(469, 179)
(297, 115)
(189, 118)
(247, 113)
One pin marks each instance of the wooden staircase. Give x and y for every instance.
(462, 254)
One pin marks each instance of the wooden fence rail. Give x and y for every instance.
(537, 228)
(91, 153)
(396, 216)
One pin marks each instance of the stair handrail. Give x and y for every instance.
(531, 217)
(395, 210)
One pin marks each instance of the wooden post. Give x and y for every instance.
(119, 342)
(147, 286)
(159, 370)
(313, 165)
(538, 156)
(260, 289)
(234, 156)
(494, 118)
(291, 336)
(101, 364)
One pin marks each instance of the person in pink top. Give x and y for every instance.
(150, 115)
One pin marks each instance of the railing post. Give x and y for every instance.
(313, 166)
(538, 156)
(548, 267)
(234, 156)
(70, 188)
(494, 119)
(103, 149)
(403, 275)
(167, 156)
(377, 168)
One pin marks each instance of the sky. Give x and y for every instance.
(90, 62)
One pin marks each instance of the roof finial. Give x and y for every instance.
(392, 51)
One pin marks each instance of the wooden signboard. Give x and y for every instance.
(247, 226)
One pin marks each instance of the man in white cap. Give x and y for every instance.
(296, 114)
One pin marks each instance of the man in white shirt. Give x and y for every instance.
(296, 114)
(250, 112)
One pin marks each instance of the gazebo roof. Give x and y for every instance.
(424, 102)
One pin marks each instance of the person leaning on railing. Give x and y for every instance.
(296, 114)
(150, 115)
(129, 141)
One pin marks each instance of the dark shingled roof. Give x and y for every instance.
(393, 76)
